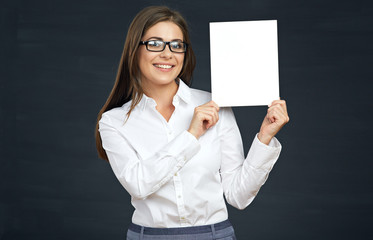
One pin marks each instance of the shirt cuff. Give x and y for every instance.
(263, 156)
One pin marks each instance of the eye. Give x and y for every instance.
(177, 45)
(155, 43)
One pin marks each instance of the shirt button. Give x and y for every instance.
(175, 174)
(182, 218)
(179, 196)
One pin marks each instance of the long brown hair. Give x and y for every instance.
(127, 85)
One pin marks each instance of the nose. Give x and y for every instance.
(166, 53)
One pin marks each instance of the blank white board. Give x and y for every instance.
(244, 63)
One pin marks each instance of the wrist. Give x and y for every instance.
(193, 133)
(264, 138)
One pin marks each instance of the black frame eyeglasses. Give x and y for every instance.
(159, 46)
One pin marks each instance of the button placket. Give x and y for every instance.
(169, 132)
(180, 199)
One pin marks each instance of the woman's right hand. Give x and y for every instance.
(204, 117)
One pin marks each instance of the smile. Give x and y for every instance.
(163, 66)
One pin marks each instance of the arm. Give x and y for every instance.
(143, 177)
(242, 178)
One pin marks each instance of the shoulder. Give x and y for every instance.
(199, 97)
(116, 115)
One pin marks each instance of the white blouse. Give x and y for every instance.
(174, 179)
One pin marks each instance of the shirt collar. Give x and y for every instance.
(145, 100)
(183, 93)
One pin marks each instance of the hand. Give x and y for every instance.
(276, 118)
(205, 116)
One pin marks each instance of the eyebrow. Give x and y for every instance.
(158, 38)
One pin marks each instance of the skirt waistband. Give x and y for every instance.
(180, 230)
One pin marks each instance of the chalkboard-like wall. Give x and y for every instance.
(58, 62)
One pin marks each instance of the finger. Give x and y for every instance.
(215, 117)
(209, 114)
(209, 108)
(281, 105)
(278, 107)
(278, 102)
(210, 121)
(272, 115)
(269, 105)
(215, 105)
(277, 116)
(212, 104)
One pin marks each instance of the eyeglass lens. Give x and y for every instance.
(158, 45)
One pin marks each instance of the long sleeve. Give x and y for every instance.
(142, 177)
(242, 178)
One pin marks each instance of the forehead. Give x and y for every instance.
(165, 30)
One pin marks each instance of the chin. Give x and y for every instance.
(165, 81)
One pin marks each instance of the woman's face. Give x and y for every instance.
(160, 68)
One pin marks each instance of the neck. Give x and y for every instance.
(162, 94)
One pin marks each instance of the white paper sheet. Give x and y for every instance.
(244, 63)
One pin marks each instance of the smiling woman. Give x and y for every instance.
(173, 149)
(128, 85)
(159, 69)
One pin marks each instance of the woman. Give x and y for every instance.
(172, 148)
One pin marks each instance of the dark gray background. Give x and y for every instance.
(58, 64)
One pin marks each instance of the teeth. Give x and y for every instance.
(164, 66)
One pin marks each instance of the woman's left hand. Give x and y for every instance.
(276, 118)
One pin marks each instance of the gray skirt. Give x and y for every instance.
(218, 231)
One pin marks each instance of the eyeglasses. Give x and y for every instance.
(159, 46)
